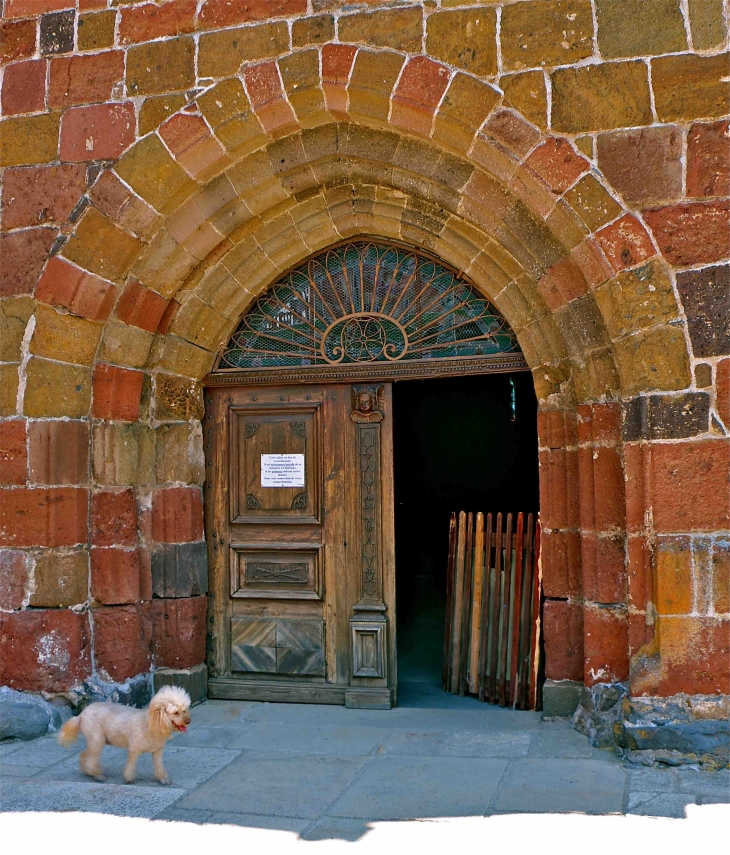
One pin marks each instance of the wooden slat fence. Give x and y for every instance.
(491, 644)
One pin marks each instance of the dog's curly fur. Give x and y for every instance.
(139, 731)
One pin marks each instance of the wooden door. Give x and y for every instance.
(299, 523)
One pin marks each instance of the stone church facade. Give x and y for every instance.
(163, 163)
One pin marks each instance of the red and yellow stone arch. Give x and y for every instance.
(260, 171)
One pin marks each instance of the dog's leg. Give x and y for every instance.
(89, 759)
(130, 770)
(160, 772)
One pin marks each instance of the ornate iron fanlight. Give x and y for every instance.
(367, 302)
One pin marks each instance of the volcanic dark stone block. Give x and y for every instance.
(560, 698)
(679, 416)
(706, 297)
(193, 680)
(666, 416)
(180, 570)
(57, 33)
(20, 720)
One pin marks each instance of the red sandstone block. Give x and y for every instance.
(226, 13)
(178, 640)
(556, 428)
(691, 486)
(722, 390)
(117, 393)
(59, 452)
(337, 63)
(177, 515)
(51, 516)
(24, 87)
(190, 140)
(44, 650)
(265, 91)
(694, 657)
(168, 316)
(559, 488)
(17, 40)
(80, 292)
(101, 132)
(592, 263)
(150, 21)
(114, 518)
(122, 640)
(140, 307)
(639, 572)
(603, 559)
(599, 423)
(708, 159)
(636, 463)
(557, 162)
(606, 645)
(38, 194)
(420, 89)
(30, 8)
(563, 282)
(512, 132)
(563, 633)
(115, 576)
(605, 505)
(84, 79)
(13, 578)
(13, 452)
(625, 243)
(22, 256)
(561, 563)
(641, 633)
(693, 233)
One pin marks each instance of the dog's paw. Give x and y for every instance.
(164, 781)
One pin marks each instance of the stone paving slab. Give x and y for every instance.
(659, 804)
(42, 752)
(118, 799)
(551, 739)
(537, 784)
(212, 736)
(187, 767)
(479, 717)
(320, 739)
(214, 713)
(295, 785)
(415, 787)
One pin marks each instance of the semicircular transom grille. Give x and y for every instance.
(366, 302)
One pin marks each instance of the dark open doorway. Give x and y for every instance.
(467, 443)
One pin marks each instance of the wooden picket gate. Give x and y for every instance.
(491, 644)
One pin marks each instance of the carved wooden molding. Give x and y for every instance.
(371, 371)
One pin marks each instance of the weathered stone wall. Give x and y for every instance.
(162, 163)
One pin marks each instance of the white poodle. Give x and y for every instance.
(139, 731)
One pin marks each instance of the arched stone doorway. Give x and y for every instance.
(298, 434)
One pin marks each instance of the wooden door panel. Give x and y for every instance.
(276, 571)
(259, 434)
(290, 647)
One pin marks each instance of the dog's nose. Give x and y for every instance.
(187, 719)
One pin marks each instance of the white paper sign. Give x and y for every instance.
(282, 470)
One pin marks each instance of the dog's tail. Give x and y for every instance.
(69, 733)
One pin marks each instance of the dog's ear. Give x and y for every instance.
(158, 719)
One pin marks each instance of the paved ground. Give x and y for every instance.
(327, 772)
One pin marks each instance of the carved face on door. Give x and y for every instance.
(366, 404)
